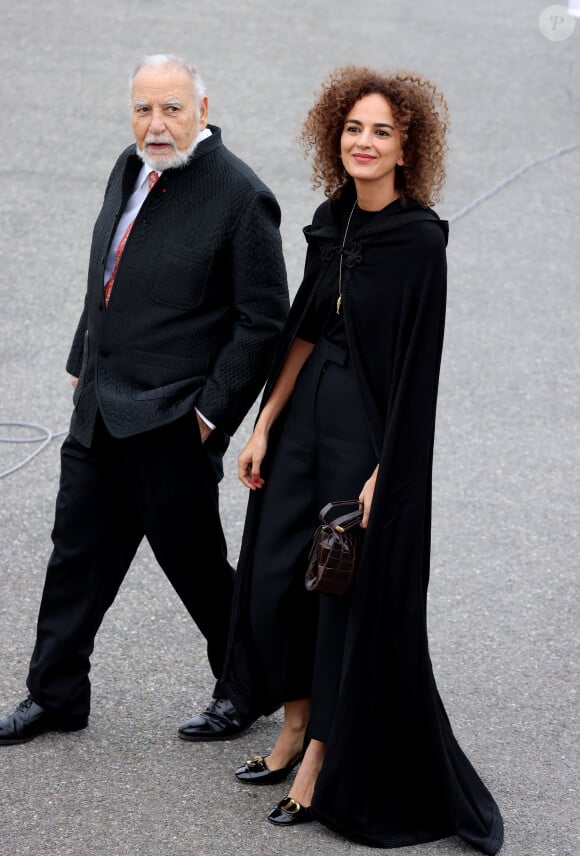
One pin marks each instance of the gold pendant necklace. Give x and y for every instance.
(339, 301)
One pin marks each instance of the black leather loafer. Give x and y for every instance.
(256, 772)
(30, 719)
(289, 811)
(219, 721)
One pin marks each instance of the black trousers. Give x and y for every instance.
(324, 454)
(161, 485)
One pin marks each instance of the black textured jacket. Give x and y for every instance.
(199, 299)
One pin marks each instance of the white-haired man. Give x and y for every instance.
(185, 299)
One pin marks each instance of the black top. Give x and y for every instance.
(321, 318)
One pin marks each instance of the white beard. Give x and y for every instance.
(179, 158)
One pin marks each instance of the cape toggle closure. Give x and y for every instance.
(351, 255)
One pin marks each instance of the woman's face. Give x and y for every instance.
(370, 145)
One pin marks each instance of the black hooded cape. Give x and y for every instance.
(393, 773)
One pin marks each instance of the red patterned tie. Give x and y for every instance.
(153, 176)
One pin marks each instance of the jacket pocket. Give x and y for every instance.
(180, 276)
(159, 375)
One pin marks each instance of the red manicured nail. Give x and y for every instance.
(256, 481)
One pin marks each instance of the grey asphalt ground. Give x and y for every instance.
(503, 594)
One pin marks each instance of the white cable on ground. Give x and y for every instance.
(48, 435)
(511, 178)
(44, 440)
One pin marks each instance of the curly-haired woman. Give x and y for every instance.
(349, 412)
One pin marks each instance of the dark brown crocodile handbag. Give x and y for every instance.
(332, 557)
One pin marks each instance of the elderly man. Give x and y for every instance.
(186, 296)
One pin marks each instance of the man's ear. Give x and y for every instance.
(203, 113)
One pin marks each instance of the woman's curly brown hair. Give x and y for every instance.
(421, 117)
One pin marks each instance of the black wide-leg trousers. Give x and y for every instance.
(324, 454)
(162, 485)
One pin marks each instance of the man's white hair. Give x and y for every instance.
(160, 60)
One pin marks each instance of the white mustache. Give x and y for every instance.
(168, 141)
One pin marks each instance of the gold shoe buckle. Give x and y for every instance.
(290, 806)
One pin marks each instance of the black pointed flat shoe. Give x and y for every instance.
(256, 771)
(289, 811)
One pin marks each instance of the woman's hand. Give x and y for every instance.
(250, 460)
(365, 497)
(252, 455)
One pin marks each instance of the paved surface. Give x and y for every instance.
(503, 595)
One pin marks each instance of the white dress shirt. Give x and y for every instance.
(132, 208)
